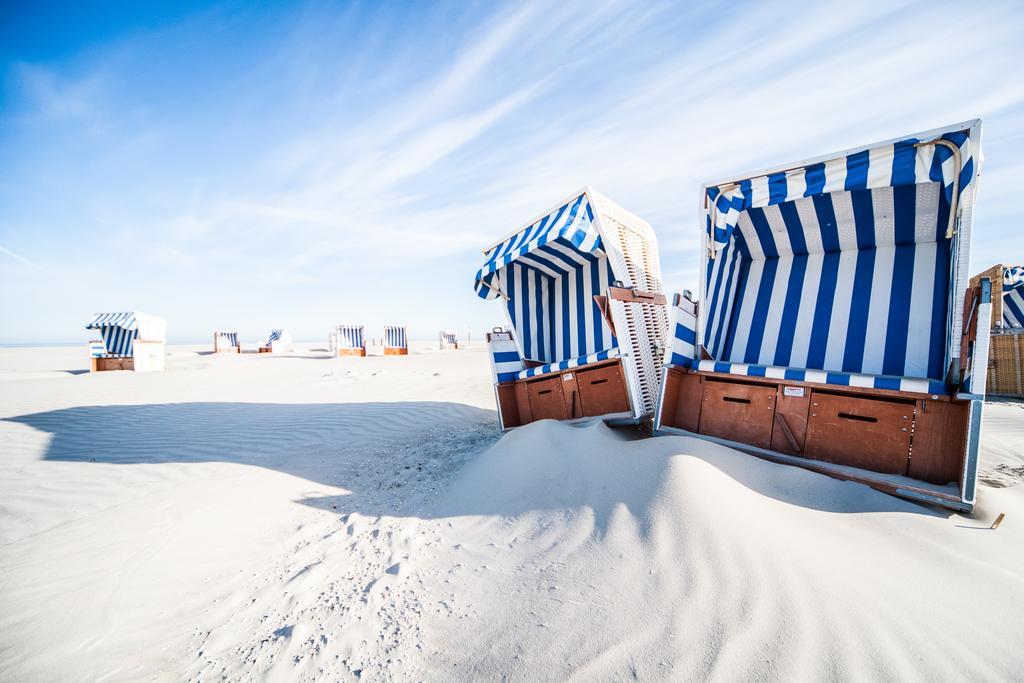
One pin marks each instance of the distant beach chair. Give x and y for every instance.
(835, 328)
(1006, 350)
(226, 342)
(396, 340)
(129, 341)
(347, 340)
(581, 287)
(1007, 295)
(278, 341)
(448, 339)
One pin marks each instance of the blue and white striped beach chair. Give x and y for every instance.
(1013, 297)
(348, 340)
(396, 340)
(448, 339)
(277, 342)
(1005, 375)
(581, 291)
(129, 341)
(226, 342)
(835, 329)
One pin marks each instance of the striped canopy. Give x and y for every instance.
(1013, 297)
(557, 243)
(548, 274)
(279, 340)
(846, 264)
(120, 330)
(907, 162)
(125, 321)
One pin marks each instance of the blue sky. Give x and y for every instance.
(248, 166)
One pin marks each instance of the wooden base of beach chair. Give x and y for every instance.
(105, 364)
(351, 352)
(389, 351)
(265, 349)
(585, 391)
(919, 436)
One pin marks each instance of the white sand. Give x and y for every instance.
(302, 517)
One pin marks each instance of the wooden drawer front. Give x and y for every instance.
(507, 406)
(603, 390)
(791, 407)
(547, 401)
(940, 433)
(523, 403)
(861, 432)
(105, 364)
(684, 393)
(739, 412)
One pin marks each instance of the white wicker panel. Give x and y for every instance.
(632, 249)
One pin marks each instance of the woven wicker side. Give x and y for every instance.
(1006, 365)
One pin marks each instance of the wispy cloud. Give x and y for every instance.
(369, 145)
(7, 252)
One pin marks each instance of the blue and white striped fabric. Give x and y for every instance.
(395, 337)
(849, 379)
(556, 317)
(118, 331)
(505, 358)
(349, 336)
(279, 340)
(1013, 297)
(842, 266)
(683, 325)
(449, 337)
(227, 340)
(560, 235)
(548, 273)
(568, 364)
(911, 161)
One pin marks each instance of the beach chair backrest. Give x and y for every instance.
(348, 337)
(226, 340)
(853, 262)
(395, 337)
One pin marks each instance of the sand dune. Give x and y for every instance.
(302, 517)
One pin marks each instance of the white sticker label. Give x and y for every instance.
(793, 391)
(567, 378)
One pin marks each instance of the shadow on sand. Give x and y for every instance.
(398, 458)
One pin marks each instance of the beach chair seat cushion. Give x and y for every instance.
(919, 385)
(568, 364)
